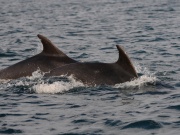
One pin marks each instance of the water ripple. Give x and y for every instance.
(144, 124)
(176, 107)
(10, 131)
(112, 123)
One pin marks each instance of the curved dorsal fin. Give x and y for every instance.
(125, 61)
(49, 47)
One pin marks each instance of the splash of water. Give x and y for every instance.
(57, 87)
(146, 78)
(139, 82)
(36, 74)
(2, 81)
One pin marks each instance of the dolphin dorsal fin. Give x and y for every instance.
(125, 61)
(48, 47)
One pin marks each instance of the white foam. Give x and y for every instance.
(146, 78)
(57, 87)
(4, 81)
(36, 74)
(139, 82)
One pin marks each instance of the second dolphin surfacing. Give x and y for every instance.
(99, 73)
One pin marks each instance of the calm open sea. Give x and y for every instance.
(88, 30)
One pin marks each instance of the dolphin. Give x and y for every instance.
(50, 58)
(99, 73)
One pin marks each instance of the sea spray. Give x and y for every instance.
(146, 78)
(36, 74)
(58, 86)
(137, 83)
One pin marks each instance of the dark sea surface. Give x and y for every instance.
(88, 30)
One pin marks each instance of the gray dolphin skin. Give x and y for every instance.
(99, 73)
(51, 57)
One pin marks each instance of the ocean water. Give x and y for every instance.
(88, 30)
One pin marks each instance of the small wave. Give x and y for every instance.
(83, 121)
(144, 124)
(10, 131)
(112, 123)
(176, 107)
